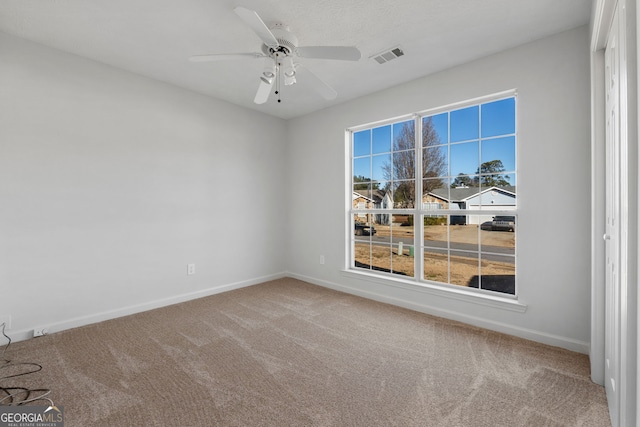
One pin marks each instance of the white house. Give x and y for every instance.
(473, 198)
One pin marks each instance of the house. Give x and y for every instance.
(121, 163)
(375, 199)
(473, 198)
(362, 202)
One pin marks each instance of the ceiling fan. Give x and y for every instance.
(279, 50)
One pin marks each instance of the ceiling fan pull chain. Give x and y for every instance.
(278, 68)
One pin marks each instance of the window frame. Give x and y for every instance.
(419, 212)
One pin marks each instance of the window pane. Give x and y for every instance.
(435, 161)
(498, 274)
(362, 143)
(381, 166)
(404, 194)
(495, 236)
(362, 255)
(500, 152)
(362, 169)
(360, 196)
(382, 195)
(403, 228)
(363, 226)
(464, 158)
(435, 194)
(497, 180)
(436, 265)
(381, 258)
(499, 117)
(363, 187)
(464, 124)
(463, 232)
(464, 268)
(383, 230)
(402, 234)
(381, 222)
(404, 165)
(496, 199)
(464, 181)
(435, 231)
(404, 136)
(382, 139)
(435, 130)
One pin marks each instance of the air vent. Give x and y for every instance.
(388, 55)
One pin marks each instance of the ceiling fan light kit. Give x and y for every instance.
(269, 68)
(287, 66)
(279, 48)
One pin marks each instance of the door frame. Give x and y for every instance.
(602, 15)
(615, 238)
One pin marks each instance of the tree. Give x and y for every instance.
(491, 174)
(462, 180)
(361, 182)
(402, 169)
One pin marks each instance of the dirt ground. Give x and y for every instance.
(459, 234)
(463, 269)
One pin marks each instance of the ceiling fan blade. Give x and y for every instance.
(252, 19)
(225, 57)
(344, 53)
(264, 90)
(318, 84)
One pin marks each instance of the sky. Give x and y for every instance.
(474, 134)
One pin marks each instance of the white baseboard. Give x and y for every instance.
(533, 335)
(21, 335)
(542, 337)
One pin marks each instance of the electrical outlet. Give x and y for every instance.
(40, 331)
(6, 319)
(191, 269)
(321, 259)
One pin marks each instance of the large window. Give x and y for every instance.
(434, 196)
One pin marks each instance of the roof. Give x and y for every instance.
(374, 195)
(462, 194)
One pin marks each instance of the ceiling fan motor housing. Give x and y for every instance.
(287, 42)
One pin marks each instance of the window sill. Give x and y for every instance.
(500, 302)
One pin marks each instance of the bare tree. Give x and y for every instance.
(401, 171)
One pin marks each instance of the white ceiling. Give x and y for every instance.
(156, 37)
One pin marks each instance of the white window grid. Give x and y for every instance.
(419, 211)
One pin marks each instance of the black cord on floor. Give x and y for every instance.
(16, 396)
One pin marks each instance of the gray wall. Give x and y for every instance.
(553, 238)
(111, 183)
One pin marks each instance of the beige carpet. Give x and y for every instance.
(287, 353)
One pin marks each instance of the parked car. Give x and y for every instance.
(487, 225)
(503, 223)
(364, 229)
